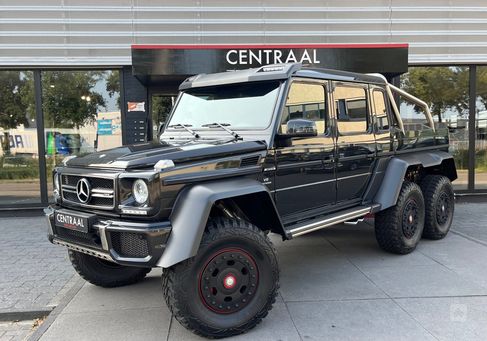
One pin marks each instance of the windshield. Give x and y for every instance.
(244, 105)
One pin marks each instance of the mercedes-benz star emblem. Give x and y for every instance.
(83, 190)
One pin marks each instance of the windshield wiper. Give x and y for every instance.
(224, 127)
(186, 127)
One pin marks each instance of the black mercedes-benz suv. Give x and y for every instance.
(281, 149)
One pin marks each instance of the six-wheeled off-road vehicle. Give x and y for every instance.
(281, 149)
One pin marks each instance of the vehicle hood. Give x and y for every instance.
(147, 154)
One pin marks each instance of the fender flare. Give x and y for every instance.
(191, 211)
(388, 191)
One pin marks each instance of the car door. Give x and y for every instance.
(304, 151)
(355, 140)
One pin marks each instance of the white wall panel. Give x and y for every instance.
(94, 32)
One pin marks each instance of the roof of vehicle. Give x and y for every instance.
(276, 72)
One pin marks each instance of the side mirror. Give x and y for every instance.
(301, 128)
(161, 129)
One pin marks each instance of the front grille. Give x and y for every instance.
(102, 191)
(128, 244)
(90, 239)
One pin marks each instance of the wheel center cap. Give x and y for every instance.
(443, 208)
(229, 281)
(410, 218)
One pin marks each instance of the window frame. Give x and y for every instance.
(326, 117)
(365, 87)
(387, 107)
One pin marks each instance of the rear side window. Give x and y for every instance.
(351, 109)
(381, 121)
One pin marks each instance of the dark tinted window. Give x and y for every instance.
(351, 107)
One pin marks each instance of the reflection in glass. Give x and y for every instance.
(161, 106)
(481, 130)
(445, 90)
(19, 157)
(81, 113)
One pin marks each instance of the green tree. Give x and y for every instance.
(161, 107)
(14, 88)
(442, 88)
(69, 99)
(113, 85)
(482, 86)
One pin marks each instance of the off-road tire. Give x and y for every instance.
(103, 273)
(394, 230)
(440, 205)
(189, 301)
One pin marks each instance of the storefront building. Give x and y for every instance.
(79, 76)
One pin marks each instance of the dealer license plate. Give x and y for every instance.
(73, 221)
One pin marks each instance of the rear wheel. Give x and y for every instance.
(229, 286)
(440, 205)
(398, 229)
(104, 273)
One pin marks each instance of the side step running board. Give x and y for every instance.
(329, 220)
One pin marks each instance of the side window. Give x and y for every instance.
(380, 111)
(351, 107)
(305, 107)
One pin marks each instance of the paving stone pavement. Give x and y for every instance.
(16, 331)
(32, 270)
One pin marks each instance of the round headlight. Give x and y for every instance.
(140, 191)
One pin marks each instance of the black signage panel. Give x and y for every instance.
(151, 61)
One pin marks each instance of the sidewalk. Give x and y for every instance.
(34, 274)
(336, 284)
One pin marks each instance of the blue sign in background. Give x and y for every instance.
(104, 127)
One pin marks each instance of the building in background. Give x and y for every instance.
(78, 76)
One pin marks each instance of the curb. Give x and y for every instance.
(54, 314)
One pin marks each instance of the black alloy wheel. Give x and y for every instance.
(228, 281)
(410, 219)
(443, 208)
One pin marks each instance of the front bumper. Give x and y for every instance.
(123, 242)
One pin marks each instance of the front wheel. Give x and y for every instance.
(104, 273)
(229, 286)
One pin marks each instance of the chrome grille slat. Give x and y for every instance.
(70, 190)
(102, 195)
(102, 191)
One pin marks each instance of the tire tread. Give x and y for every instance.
(86, 267)
(388, 230)
(430, 185)
(177, 300)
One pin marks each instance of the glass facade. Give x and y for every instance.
(19, 154)
(81, 113)
(46, 115)
(481, 129)
(161, 106)
(446, 90)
